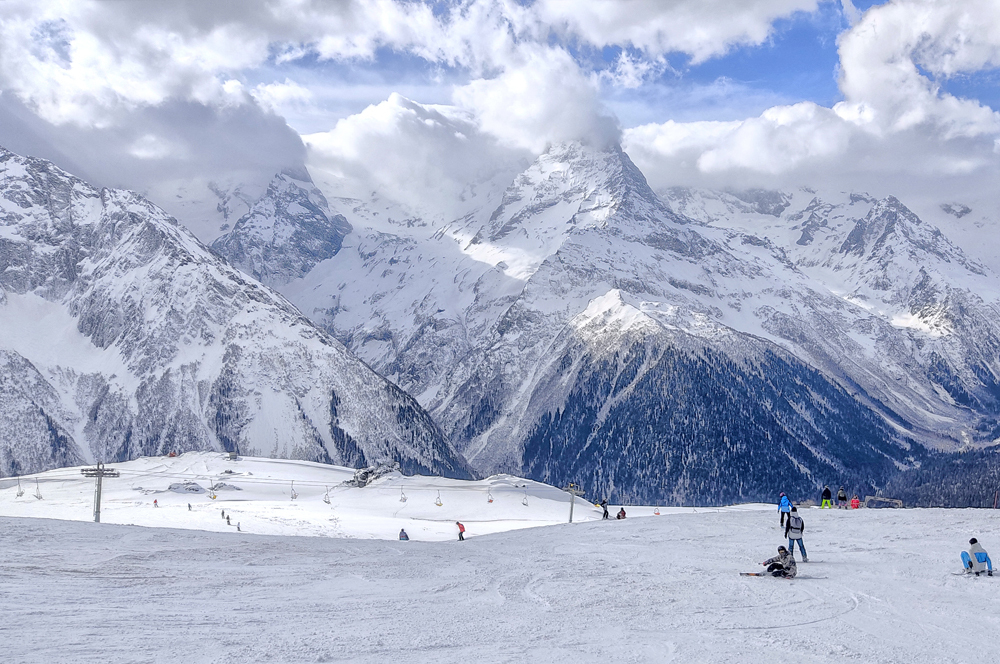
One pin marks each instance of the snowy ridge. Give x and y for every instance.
(576, 273)
(170, 348)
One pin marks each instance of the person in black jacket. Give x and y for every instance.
(793, 531)
(604, 504)
(827, 503)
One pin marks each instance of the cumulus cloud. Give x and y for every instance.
(543, 98)
(700, 28)
(427, 157)
(895, 127)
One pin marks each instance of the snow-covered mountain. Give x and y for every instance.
(691, 346)
(121, 335)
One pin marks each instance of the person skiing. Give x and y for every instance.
(223, 514)
(827, 504)
(793, 531)
(604, 504)
(784, 506)
(977, 560)
(621, 514)
(782, 565)
(841, 499)
(403, 537)
(228, 522)
(238, 527)
(855, 502)
(189, 507)
(461, 531)
(156, 503)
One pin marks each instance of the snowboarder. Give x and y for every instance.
(156, 503)
(403, 537)
(826, 504)
(782, 565)
(604, 504)
(223, 514)
(227, 521)
(855, 502)
(238, 527)
(793, 531)
(784, 506)
(976, 560)
(189, 507)
(461, 531)
(841, 499)
(621, 514)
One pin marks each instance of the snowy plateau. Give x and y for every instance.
(881, 586)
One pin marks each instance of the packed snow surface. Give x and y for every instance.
(256, 493)
(880, 586)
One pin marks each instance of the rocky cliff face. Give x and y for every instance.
(124, 336)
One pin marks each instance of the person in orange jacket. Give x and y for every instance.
(855, 503)
(461, 531)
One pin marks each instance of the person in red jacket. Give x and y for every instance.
(855, 503)
(461, 531)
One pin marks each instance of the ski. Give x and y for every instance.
(753, 574)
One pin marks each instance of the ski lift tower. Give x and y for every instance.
(574, 491)
(100, 472)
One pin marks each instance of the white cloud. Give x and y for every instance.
(543, 98)
(427, 157)
(700, 28)
(896, 124)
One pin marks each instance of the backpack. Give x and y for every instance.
(795, 524)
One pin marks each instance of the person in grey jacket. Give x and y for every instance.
(782, 565)
(793, 531)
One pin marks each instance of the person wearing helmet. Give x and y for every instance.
(841, 499)
(855, 502)
(784, 507)
(827, 503)
(782, 565)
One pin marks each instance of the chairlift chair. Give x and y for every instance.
(657, 511)
(402, 496)
(326, 498)
(489, 496)
(437, 501)
(20, 491)
(38, 491)
(524, 501)
(294, 495)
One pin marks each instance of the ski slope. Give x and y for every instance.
(881, 590)
(256, 493)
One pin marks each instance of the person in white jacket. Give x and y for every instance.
(979, 560)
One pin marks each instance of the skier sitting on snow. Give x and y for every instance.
(826, 498)
(841, 499)
(979, 560)
(782, 565)
(855, 502)
(403, 537)
(621, 514)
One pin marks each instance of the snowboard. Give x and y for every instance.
(754, 574)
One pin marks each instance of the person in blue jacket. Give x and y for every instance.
(403, 537)
(785, 507)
